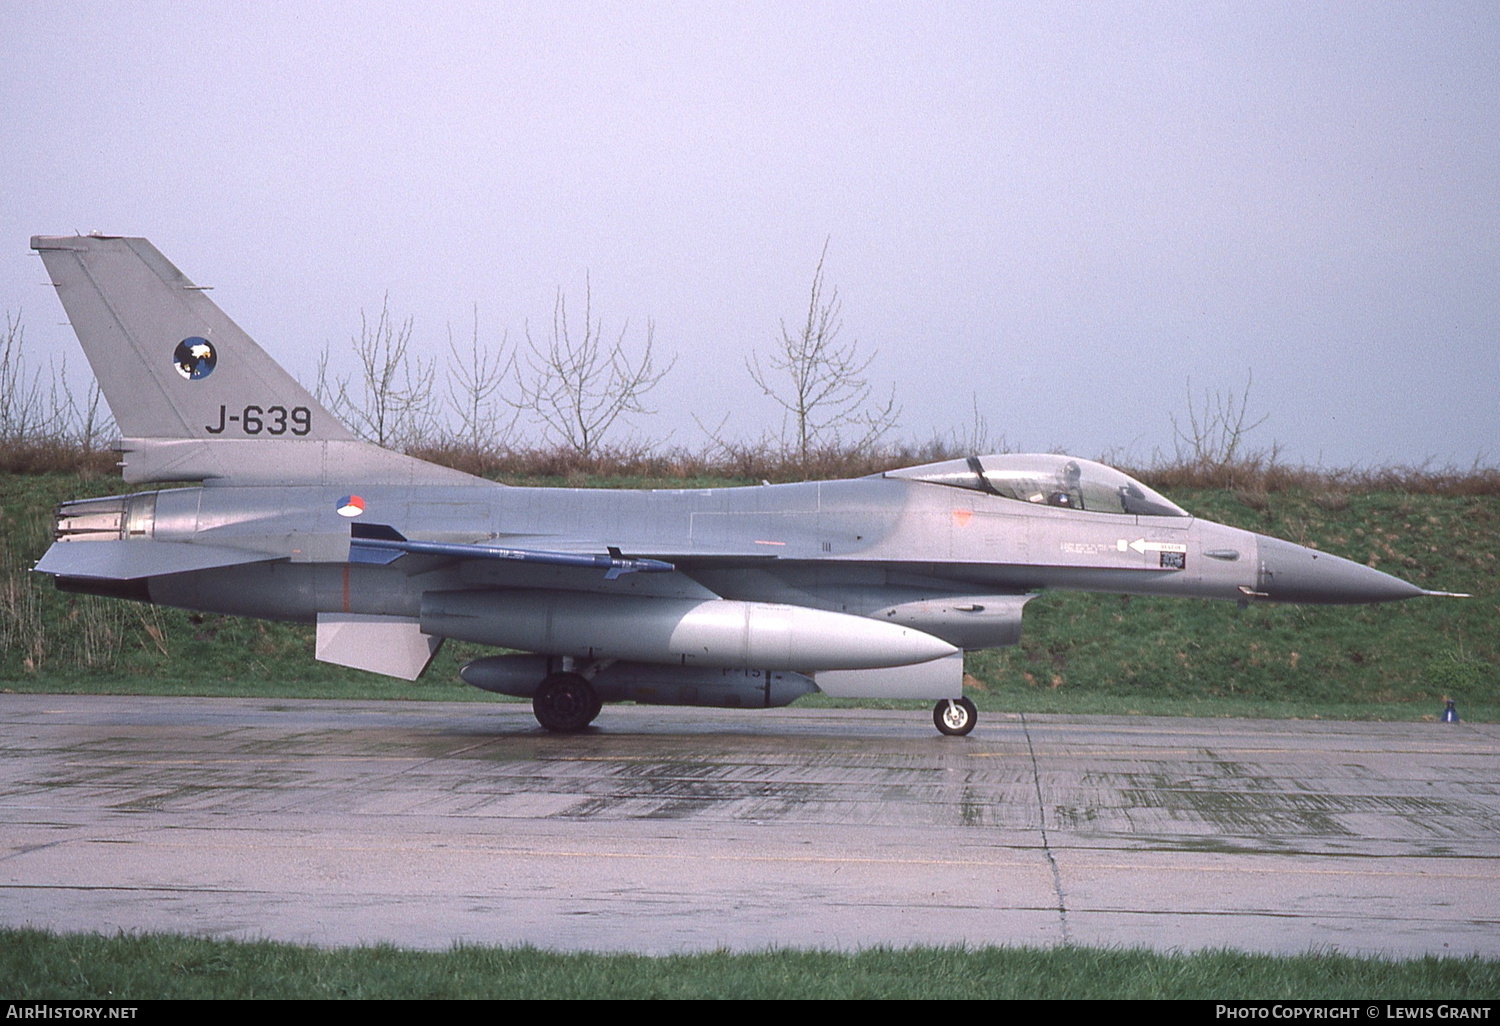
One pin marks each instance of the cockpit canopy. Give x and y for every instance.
(1065, 482)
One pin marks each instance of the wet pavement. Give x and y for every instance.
(426, 824)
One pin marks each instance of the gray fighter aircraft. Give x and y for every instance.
(740, 597)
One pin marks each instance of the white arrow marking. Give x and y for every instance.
(1142, 545)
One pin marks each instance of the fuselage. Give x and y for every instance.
(916, 552)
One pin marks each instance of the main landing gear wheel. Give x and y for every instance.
(955, 716)
(565, 703)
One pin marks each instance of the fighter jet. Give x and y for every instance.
(745, 597)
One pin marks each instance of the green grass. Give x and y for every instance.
(37, 965)
(1078, 654)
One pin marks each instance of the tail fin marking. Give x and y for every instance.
(171, 364)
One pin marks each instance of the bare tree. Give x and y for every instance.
(22, 406)
(474, 383)
(580, 386)
(31, 412)
(88, 424)
(819, 381)
(391, 405)
(1215, 433)
(973, 439)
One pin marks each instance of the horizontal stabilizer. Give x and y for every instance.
(137, 558)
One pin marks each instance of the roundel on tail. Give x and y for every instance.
(195, 358)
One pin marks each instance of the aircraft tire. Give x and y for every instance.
(955, 717)
(565, 703)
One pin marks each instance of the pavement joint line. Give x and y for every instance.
(1057, 887)
(843, 860)
(570, 853)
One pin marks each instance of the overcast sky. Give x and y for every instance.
(1062, 212)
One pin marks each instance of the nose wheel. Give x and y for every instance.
(955, 716)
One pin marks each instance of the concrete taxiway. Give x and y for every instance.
(661, 830)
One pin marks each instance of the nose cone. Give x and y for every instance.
(1293, 573)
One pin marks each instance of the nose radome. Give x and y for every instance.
(1294, 573)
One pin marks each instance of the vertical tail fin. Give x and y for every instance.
(170, 363)
(194, 397)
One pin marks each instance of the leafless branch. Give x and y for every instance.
(819, 382)
(578, 385)
(474, 383)
(22, 405)
(1216, 430)
(37, 410)
(391, 403)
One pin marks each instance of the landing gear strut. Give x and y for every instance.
(566, 703)
(955, 716)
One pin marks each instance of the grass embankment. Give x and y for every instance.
(1079, 653)
(35, 965)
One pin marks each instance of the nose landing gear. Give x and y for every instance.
(955, 716)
